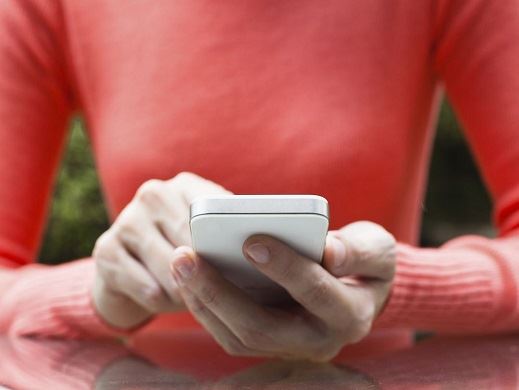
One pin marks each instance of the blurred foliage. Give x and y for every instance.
(456, 201)
(78, 215)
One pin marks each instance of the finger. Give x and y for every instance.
(192, 186)
(173, 221)
(220, 332)
(160, 203)
(145, 243)
(166, 203)
(127, 276)
(306, 281)
(339, 305)
(183, 189)
(349, 309)
(360, 249)
(156, 253)
(255, 326)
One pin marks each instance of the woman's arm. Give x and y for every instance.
(35, 105)
(471, 283)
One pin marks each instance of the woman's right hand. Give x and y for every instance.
(133, 279)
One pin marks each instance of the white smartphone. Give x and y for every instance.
(221, 224)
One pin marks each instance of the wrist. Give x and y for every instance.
(116, 310)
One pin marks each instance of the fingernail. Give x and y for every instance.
(259, 253)
(339, 251)
(183, 266)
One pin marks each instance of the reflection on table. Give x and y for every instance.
(191, 359)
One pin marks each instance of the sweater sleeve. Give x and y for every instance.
(470, 284)
(35, 105)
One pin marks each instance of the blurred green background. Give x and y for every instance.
(456, 201)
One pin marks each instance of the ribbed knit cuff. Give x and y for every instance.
(458, 288)
(55, 301)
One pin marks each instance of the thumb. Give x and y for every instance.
(362, 249)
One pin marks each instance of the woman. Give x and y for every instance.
(336, 98)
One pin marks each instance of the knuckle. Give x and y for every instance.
(183, 176)
(367, 227)
(365, 252)
(385, 243)
(359, 329)
(370, 247)
(154, 300)
(197, 308)
(207, 296)
(287, 271)
(318, 293)
(175, 226)
(364, 313)
(126, 228)
(103, 245)
(150, 191)
(106, 271)
(369, 236)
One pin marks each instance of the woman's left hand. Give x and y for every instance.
(338, 300)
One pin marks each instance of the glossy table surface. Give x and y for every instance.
(192, 360)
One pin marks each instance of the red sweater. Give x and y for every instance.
(337, 98)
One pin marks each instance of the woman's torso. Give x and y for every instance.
(334, 98)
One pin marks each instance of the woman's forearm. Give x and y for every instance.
(39, 300)
(466, 286)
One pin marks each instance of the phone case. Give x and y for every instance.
(218, 235)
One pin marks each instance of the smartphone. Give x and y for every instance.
(221, 224)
